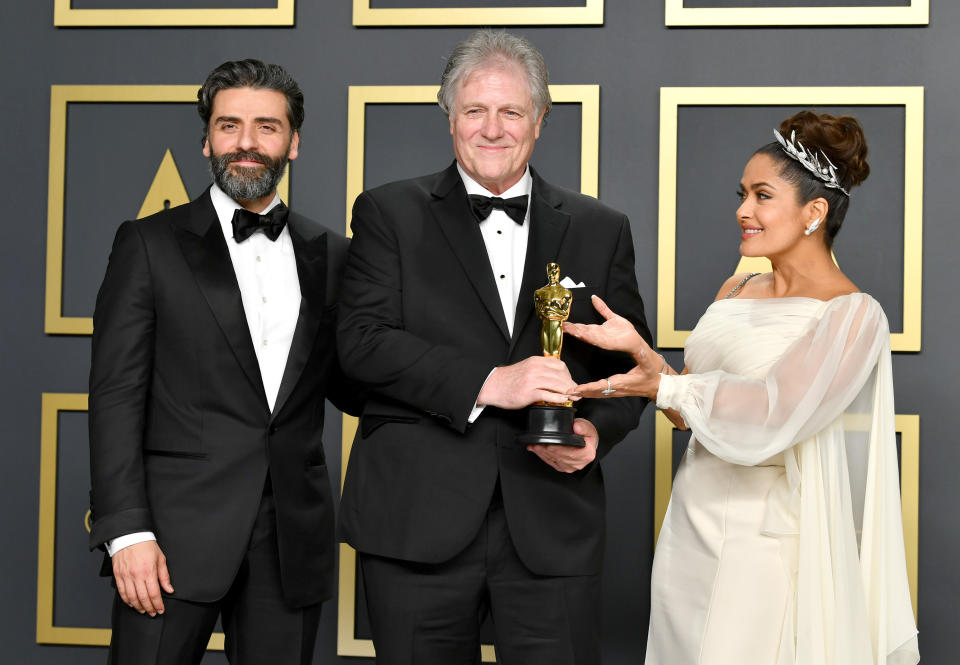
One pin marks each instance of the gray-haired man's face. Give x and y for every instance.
(494, 125)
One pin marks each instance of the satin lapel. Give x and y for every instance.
(311, 269)
(205, 250)
(547, 228)
(452, 213)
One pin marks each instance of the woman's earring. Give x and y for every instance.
(813, 227)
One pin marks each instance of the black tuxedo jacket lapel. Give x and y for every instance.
(310, 255)
(452, 213)
(205, 250)
(548, 225)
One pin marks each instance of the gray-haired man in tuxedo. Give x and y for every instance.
(453, 519)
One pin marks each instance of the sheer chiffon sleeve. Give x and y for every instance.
(748, 420)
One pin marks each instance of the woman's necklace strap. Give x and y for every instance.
(735, 290)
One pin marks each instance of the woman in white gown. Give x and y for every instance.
(782, 544)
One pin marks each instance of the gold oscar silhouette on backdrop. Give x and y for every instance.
(547, 423)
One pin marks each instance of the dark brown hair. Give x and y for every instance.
(842, 141)
(250, 74)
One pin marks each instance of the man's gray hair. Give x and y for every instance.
(496, 48)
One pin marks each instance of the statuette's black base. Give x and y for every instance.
(552, 426)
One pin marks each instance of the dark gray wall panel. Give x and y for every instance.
(630, 57)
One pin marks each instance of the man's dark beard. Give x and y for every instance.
(247, 183)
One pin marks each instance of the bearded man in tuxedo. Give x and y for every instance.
(213, 353)
(453, 519)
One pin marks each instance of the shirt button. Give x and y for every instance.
(503, 276)
(264, 342)
(264, 299)
(499, 232)
(258, 259)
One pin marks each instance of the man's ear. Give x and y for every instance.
(206, 147)
(294, 150)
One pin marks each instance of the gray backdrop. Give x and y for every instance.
(113, 151)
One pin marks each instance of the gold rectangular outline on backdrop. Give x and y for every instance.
(66, 16)
(676, 15)
(907, 425)
(54, 323)
(591, 13)
(359, 96)
(909, 97)
(47, 633)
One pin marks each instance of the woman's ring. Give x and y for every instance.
(609, 390)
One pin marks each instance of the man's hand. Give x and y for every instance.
(140, 570)
(568, 459)
(536, 379)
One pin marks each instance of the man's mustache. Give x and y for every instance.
(244, 157)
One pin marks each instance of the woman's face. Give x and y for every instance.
(771, 220)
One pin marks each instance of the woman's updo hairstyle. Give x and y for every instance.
(842, 141)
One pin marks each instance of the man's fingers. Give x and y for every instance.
(164, 576)
(602, 308)
(133, 597)
(568, 459)
(565, 459)
(139, 571)
(550, 371)
(588, 431)
(121, 588)
(537, 378)
(143, 595)
(129, 594)
(552, 397)
(547, 396)
(543, 453)
(541, 363)
(153, 593)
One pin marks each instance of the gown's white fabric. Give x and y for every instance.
(782, 544)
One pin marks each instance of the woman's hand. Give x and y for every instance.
(616, 333)
(641, 381)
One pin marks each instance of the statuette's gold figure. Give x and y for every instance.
(552, 424)
(552, 303)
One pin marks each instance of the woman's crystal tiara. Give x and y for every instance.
(810, 161)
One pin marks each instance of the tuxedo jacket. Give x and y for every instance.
(421, 327)
(181, 435)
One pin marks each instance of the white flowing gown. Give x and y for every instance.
(783, 542)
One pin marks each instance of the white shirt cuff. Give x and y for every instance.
(477, 409)
(120, 542)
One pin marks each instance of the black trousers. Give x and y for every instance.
(430, 614)
(259, 627)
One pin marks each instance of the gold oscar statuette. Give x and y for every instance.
(552, 424)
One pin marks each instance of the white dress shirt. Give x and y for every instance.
(269, 287)
(506, 243)
(266, 273)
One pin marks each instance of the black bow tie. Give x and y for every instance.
(482, 206)
(246, 223)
